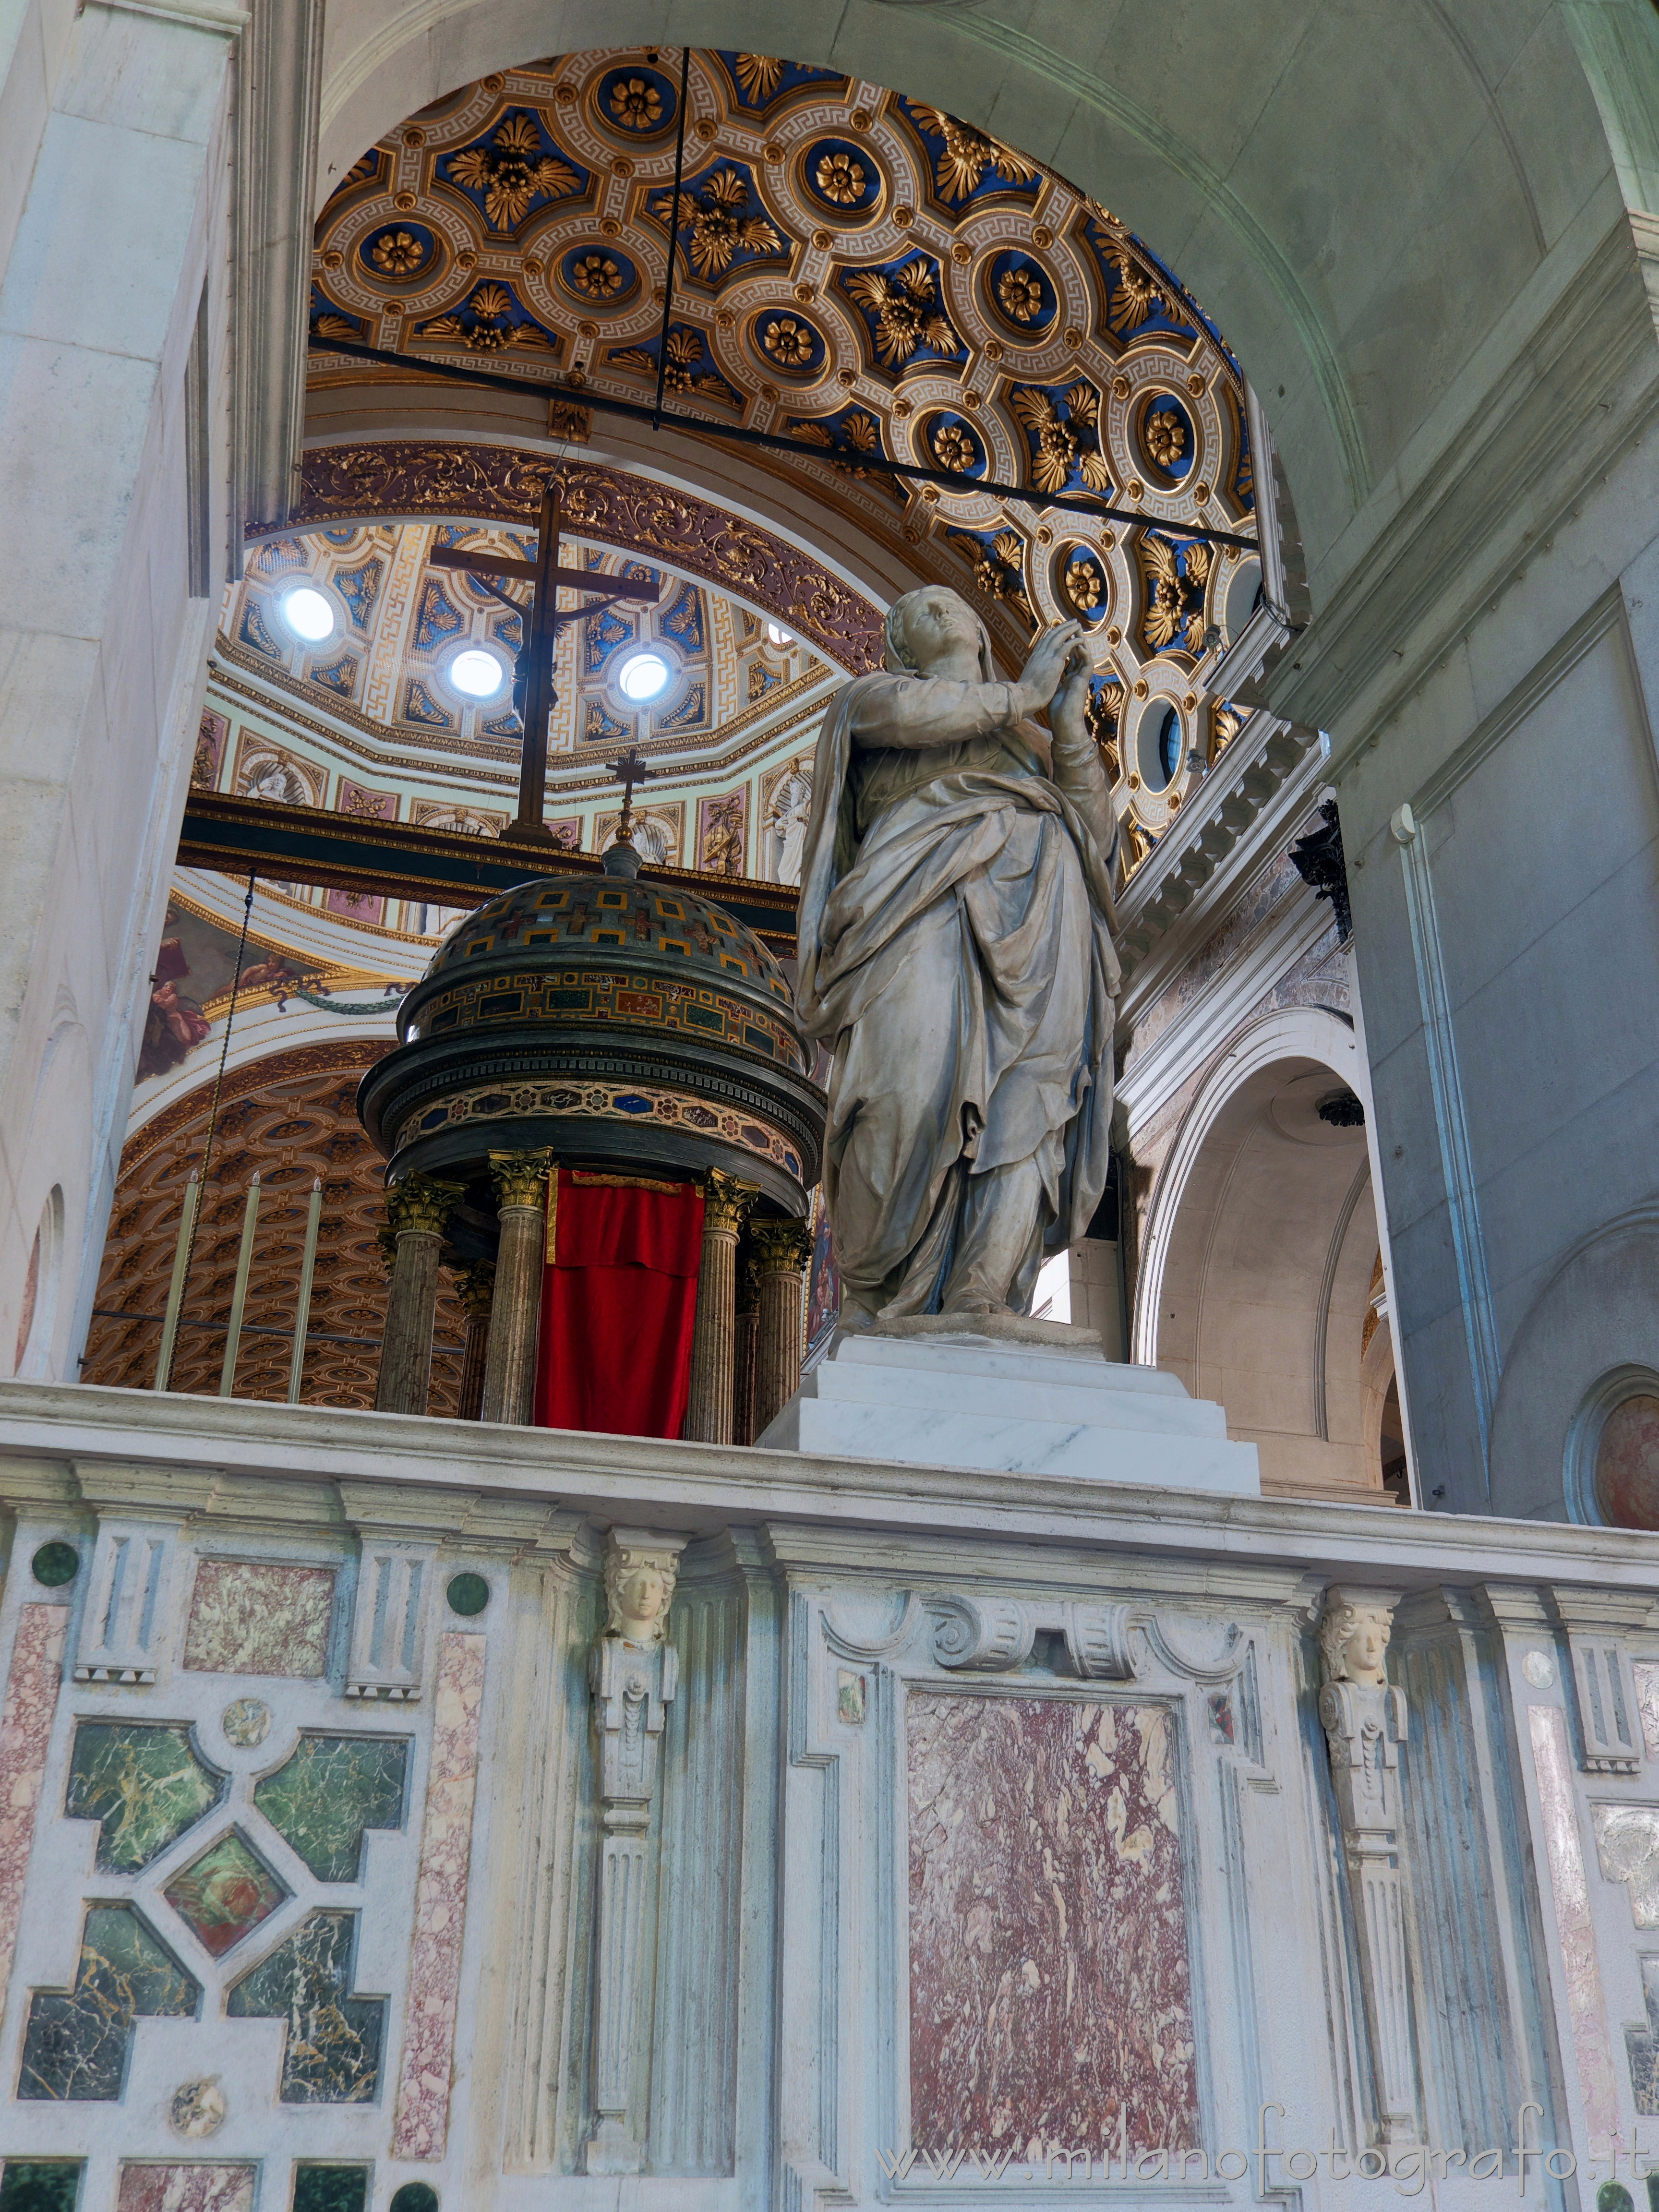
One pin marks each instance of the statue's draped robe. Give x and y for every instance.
(956, 949)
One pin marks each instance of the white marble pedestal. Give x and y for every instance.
(1018, 1396)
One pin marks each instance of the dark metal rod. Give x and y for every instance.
(673, 238)
(768, 441)
(541, 631)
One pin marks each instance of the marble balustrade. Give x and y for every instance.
(980, 1831)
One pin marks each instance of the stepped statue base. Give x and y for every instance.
(1005, 1394)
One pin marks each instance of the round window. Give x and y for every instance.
(308, 614)
(644, 677)
(479, 674)
(1160, 747)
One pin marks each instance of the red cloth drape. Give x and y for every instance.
(619, 1299)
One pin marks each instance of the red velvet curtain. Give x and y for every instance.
(619, 1298)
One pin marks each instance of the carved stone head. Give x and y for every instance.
(923, 625)
(1354, 1635)
(639, 1574)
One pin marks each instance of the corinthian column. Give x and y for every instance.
(743, 1357)
(417, 1209)
(509, 1389)
(782, 1250)
(475, 1286)
(1364, 1721)
(713, 1340)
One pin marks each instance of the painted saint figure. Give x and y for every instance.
(955, 951)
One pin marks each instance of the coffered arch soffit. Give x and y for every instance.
(1211, 163)
(859, 273)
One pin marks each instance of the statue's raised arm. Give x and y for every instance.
(956, 952)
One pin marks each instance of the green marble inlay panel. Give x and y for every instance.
(331, 2051)
(145, 1782)
(225, 1894)
(75, 2047)
(321, 1800)
(327, 2189)
(39, 2185)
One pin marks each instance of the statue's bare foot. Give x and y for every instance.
(980, 1306)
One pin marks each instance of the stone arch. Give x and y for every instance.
(1589, 1327)
(1212, 172)
(1258, 1255)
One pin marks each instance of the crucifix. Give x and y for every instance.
(631, 769)
(533, 696)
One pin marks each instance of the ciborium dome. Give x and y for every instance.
(616, 1020)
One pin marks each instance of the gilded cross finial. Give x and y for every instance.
(631, 769)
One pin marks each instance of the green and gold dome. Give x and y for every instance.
(618, 1021)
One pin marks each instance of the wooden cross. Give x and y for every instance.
(632, 769)
(534, 695)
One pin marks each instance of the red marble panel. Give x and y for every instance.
(1050, 1989)
(420, 2129)
(186, 2188)
(37, 1667)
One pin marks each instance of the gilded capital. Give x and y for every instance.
(725, 1202)
(520, 1178)
(781, 1247)
(422, 1204)
(475, 1286)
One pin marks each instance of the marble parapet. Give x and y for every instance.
(227, 1457)
(1030, 1404)
(563, 1821)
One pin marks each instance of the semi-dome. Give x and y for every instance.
(617, 1020)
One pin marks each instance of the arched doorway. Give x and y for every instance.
(1261, 1280)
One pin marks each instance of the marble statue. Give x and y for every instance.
(1365, 1722)
(955, 951)
(633, 1674)
(786, 818)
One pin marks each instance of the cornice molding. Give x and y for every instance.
(1220, 811)
(1580, 389)
(1097, 1528)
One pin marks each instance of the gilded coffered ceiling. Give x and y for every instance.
(866, 276)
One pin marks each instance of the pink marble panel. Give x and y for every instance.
(37, 1667)
(249, 1617)
(186, 2188)
(1586, 2006)
(1050, 1989)
(434, 1963)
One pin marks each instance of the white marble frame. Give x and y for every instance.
(857, 1846)
(244, 2054)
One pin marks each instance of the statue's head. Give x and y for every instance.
(923, 627)
(639, 1589)
(1353, 1636)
